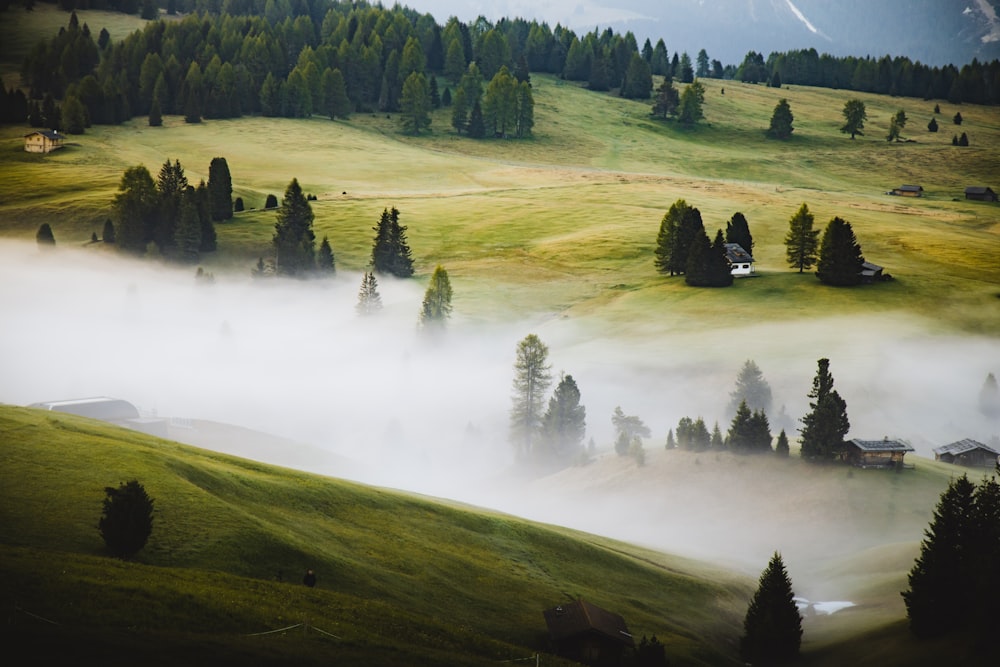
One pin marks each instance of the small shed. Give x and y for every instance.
(870, 273)
(980, 193)
(740, 261)
(884, 453)
(584, 632)
(43, 141)
(908, 191)
(967, 452)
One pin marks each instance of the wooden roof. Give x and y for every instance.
(737, 255)
(883, 445)
(910, 188)
(963, 446)
(50, 134)
(977, 190)
(579, 617)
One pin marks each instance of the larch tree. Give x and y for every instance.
(532, 378)
(415, 104)
(781, 121)
(855, 116)
(436, 307)
(628, 428)
(772, 627)
(564, 423)
(689, 110)
(369, 300)
(294, 240)
(802, 241)
(338, 104)
(220, 189)
(825, 426)
(896, 125)
(840, 259)
(751, 388)
(500, 104)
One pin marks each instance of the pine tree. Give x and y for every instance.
(671, 443)
(220, 189)
(896, 125)
(369, 300)
(963, 140)
(738, 231)
(294, 241)
(459, 111)
(678, 230)
(707, 265)
(801, 242)
(840, 259)
(824, 427)
(188, 230)
(135, 208)
(564, 423)
(155, 115)
(415, 104)
(436, 308)
(772, 628)
(781, 446)
(751, 388)
(326, 263)
(208, 236)
(989, 397)
(44, 236)
(127, 519)
(532, 378)
(667, 99)
(957, 119)
(718, 442)
(781, 120)
(108, 233)
(477, 125)
(689, 110)
(932, 126)
(390, 252)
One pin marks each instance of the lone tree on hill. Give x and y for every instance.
(840, 259)
(781, 121)
(127, 519)
(896, 125)
(532, 378)
(294, 240)
(954, 583)
(369, 300)
(390, 251)
(855, 116)
(220, 189)
(801, 242)
(772, 628)
(436, 308)
(565, 422)
(826, 424)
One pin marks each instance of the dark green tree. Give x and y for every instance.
(957, 118)
(825, 426)
(679, 229)
(459, 111)
(338, 104)
(270, 202)
(436, 308)
(855, 116)
(638, 80)
(781, 446)
(44, 236)
(738, 231)
(220, 189)
(127, 519)
(707, 265)
(326, 263)
(896, 125)
(932, 126)
(390, 251)
(477, 126)
(801, 242)
(532, 378)
(415, 104)
(686, 72)
(628, 429)
(781, 120)
(693, 434)
(525, 110)
(74, 115)
(565, 423)
(772, 628)
(188, 230)
(369, 300)
(108, 234)
(294, 240)
(208, 236)
(500, 104)
(689, 110)
(751, 388)
(667, 99)
(135, 209)
(718, 442)
(963, 140)
(840, 259)
(155, 115)
(703, 64)
(171, 184)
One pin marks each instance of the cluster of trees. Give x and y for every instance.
(683, 246)
(954, 586)
(169, 212)
(629, 432)
(837, 257)
(506, 107)
(549, 436)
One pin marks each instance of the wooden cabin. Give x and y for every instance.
(870, 273)
(884, 453)
(740, 261)
(980, 193)
(908, 191)
(584, 632)
(967, 452)
(43, 141)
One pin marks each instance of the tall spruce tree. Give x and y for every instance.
(532, 378)
(666, 239)
(738, 231)
(772, 628)
(369, 300)
(751, 387)
(436, 308)
(781, 446)
(220, 189)
(840, 259)
(565, 423)
(188, 233)
(781, 120)
(326, 263)
(707, 264)
(415, 104)
(294, 240)
(826, 424)
(390, 251)
(171, 184)
(801, 242)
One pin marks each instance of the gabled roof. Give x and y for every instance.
(737, 255)
(883, 445)
(910, 188)
(51, 134)
(578, 617)
(977, 190)
(869, 269)
(963, 446)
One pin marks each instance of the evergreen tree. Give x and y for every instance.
(963, 140)
(840, 259)
(707, 264)
(801, 242)
(679, 229)
(270, 202)
(390, 252)
(760, 432)
(369, 300)
(326, 263)
(525, 110)
(532, 378)
(740, 436)
(188, 231)
(171, 184)
(738, 231)
(435, 94)
(108, 234)
(667, 99)
(989, 397)
(751, 388)
(693, 434)
(717, 440)
(825, 426)
(436, 308)
(500, 104)
(703, 64)
(686, 73)
(294, 240)
(689, 110)
(477, 126)
(155, 115)
(932, 126)
(208, 237)
(135, 208)
(781, 446)
(565, 422)
(957, 118)
(127, 519)
(781, 120)
(671, 443)
(628, 429)
(44, 237)
(772, 628)
(415, 104)
(459, 111)
(855, 116)
(74, 115)
(220, 189)
(638, 81)
(238, 205)
(338, 104)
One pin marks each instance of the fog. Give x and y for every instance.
(374, 400)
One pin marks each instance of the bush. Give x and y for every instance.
(238, 204)
(272, 202)
(127, 520)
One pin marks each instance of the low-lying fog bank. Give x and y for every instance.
(293, 359)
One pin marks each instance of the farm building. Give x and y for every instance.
(586, 633)
(980, 193)
(740, 261)
(967, 453)
(908, 191)
(884, 453)
(112, 410)
(870, 273)
(43, 141)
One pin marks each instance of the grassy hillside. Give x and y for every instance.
(402, 579)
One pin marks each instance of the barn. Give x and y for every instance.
(967, 452)
(884, 453)
(584, 632)
(980, 193)
(43, 141)
(908, 191)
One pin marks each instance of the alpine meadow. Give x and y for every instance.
(483, 325)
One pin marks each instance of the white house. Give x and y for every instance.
(740, 261)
